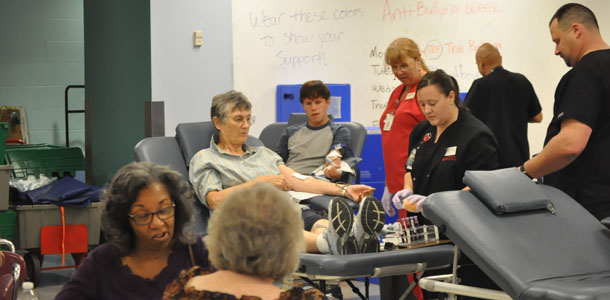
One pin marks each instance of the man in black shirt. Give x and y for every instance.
(505, 102)
(575, 156)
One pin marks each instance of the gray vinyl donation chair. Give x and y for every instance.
(323, 267)
(533, 241)
(271, 134)
(176, 152)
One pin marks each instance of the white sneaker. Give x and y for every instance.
(339, 232)
(369, 224)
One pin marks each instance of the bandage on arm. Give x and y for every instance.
(334, 158)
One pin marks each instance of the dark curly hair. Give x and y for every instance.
(122, 192)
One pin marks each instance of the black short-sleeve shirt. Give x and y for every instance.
(505, 102)
(467, 144)
(583, 94)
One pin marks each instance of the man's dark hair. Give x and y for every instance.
(314, 89)
(574, 13)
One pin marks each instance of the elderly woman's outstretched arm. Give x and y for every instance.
(214, 198)
(312, 185)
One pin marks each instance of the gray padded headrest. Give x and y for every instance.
(193, 137)
(506, 191)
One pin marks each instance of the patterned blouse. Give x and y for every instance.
(175, 291)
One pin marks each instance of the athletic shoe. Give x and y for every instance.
(369, 224)
(339, 232)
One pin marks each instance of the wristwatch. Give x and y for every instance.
(522, 169)
(344, 193)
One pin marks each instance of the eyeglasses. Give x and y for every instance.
(146, 218)
(401, 68)
(242, 120)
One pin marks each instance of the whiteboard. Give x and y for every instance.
(344, 41)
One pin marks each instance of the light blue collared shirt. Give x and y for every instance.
(212, 169)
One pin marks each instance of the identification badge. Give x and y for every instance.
(389, 119)
(410, 96)
(410, 160)
(451, 151)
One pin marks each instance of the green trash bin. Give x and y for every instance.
(36, 159)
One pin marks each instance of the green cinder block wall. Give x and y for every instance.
(40, 54)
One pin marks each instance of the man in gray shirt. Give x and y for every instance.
(319, 141)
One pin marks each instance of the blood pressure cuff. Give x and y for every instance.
(507, 191)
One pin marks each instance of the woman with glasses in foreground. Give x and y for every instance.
(146, 209)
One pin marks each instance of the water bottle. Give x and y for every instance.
(27, 292)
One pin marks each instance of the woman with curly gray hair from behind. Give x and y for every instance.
(146, 209)
(250, 245)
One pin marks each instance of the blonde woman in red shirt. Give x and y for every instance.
(402, 113)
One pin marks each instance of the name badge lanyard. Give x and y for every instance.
(389, 119)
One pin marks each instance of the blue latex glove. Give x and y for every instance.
(400, 196)
(415, 201)
(386, 201)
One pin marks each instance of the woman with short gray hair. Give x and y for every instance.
(250, 246)
(225, 103)
(229, 164)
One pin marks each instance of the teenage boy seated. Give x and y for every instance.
(317, 145)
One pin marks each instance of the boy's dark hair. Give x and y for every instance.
(314, 89)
